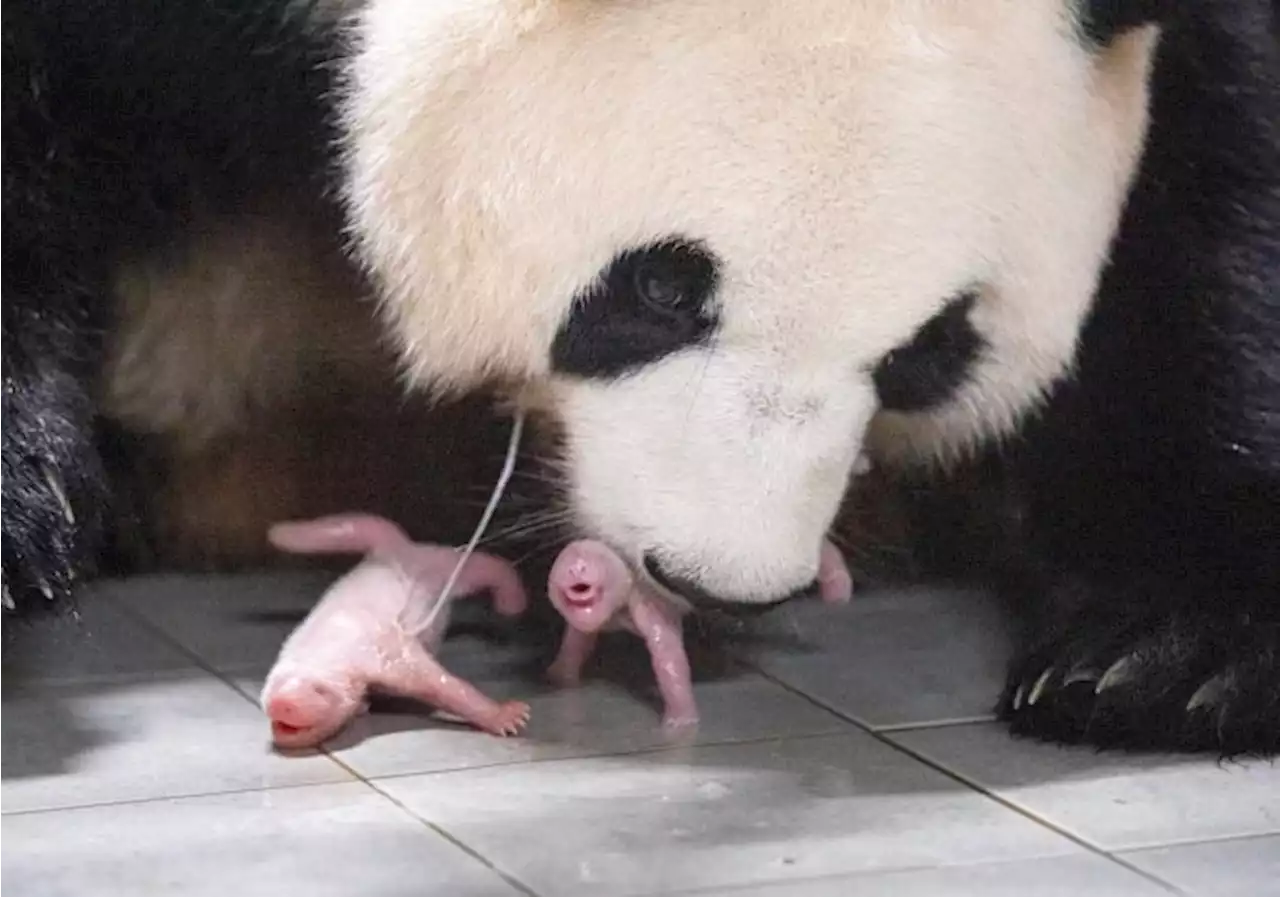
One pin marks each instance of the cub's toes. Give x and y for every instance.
(511, 718)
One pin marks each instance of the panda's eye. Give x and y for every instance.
(648, 303)
(658, 287)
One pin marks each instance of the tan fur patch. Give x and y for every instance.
(249, 361)
(426, 468)
(243, 315)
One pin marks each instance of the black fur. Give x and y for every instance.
(1152, 485)
(930, 368)
(704, 601)
(648, 303)
(1102, 20)
(121, 119)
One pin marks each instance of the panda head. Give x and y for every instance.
(731, 246)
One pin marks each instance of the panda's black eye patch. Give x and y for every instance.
(649, 302)
(932, 366)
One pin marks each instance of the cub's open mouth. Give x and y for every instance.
(580, 595)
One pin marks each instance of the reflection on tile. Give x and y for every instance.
(1248, 867)
(616, 709)
(90, 743)
(230, 622)
(1115, 801)
(326, 841)
(891, 657)
(719, 816)
(1082, 875)
(102, 642)
(595, 719)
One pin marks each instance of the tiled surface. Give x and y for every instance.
(1079, 875)
(1115, 801)
(724, 815)
(101, 645)
(80, 745)
(331, 840)
(829, 762)
(599, 718)
(917, 656)
(1243, 867)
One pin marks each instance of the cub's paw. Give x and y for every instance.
(510, 719)
(1205, 680)
(681, 721)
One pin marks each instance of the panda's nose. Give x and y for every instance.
(702, 600)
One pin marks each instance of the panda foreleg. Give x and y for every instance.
(53, 486)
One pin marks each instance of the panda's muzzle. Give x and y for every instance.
(703, 601)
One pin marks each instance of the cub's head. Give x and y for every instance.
(733, 245)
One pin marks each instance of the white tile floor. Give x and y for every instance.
(843, 752)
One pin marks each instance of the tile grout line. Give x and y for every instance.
(162, 798)
(894, 728)
(1193, 842)
(158, 630)
(979, 789)
(606, 754)
(861, 875)
(444, 833)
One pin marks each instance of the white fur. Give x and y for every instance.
(853, 165)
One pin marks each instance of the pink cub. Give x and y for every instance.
(377, 629)
(594, 590)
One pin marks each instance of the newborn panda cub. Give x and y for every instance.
(593, 589)
(377, 629)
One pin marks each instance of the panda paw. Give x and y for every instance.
(53, 497)
(1206, 681)
(44, 551)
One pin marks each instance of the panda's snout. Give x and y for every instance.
(702, 600)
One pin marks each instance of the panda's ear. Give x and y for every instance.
(1101, 21)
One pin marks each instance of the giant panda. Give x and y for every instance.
(726, 248)
(730, 249)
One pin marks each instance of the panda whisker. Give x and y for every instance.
(523, 527)
(537, 549)
(696, 390)
(555, 480)
(534, 518)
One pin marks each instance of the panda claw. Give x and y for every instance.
(6, 599)
(1118, 672)
(1084, 674)
(60, 493)
(1037, 689)
(1018, 696)
(45, 589)
(1208, 693)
